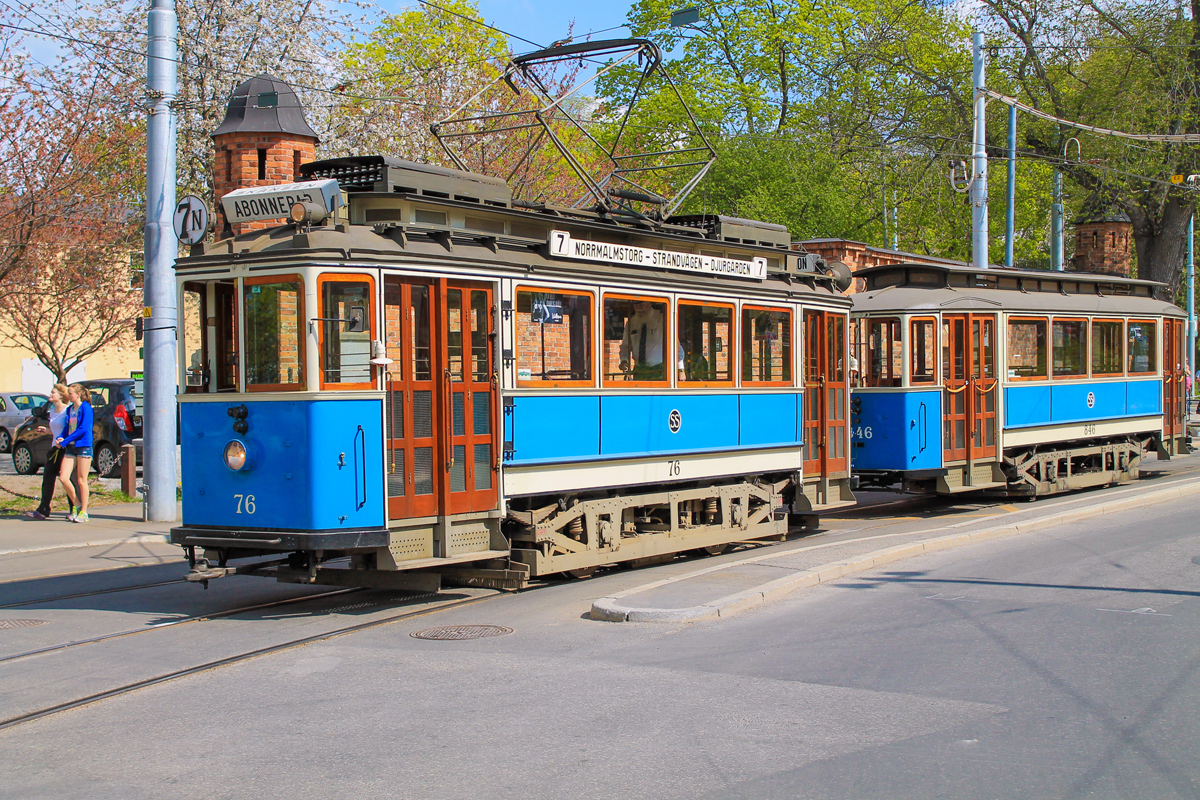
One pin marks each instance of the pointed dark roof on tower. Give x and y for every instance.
(264, 104)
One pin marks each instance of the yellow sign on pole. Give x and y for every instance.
(1176, 179)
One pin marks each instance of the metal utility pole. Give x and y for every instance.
(158, 419)
(1010, 216)
(1190, 360)
(979, 190)
(1056, 224)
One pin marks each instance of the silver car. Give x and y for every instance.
(14, 409)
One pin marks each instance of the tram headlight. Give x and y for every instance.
(236, 457)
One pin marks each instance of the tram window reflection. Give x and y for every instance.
(766, 345)
(1027, 348)
(192, 331)
(274, 308)
(554, 337)
(881, 363)
(346, 333)
(1108, 347)
(635, 336)
(923, 351)
(1143, 346)
(705, 343)
(1070, 347)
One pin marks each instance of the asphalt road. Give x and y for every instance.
(1056, 664)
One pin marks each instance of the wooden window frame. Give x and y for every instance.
(734, 361)
(667, 339)
(795, 342)
(1124, 330)
(301, 334)
(1029, 378)
(888, 320)
(1087, 349)
(937, 361)
(560, 384)
(1158, 327)
(345, 277)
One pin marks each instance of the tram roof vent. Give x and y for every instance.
(735, 229)
(396, 176)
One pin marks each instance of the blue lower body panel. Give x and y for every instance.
(896, 430)
(314, 465)
(1063, 402)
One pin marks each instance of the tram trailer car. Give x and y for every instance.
(1023, 382)
(447, 386)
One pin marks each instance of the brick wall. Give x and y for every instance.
(858, 255)
(1103, 246)
(241, 158)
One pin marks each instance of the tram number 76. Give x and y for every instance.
(245, 501)
(673, 468)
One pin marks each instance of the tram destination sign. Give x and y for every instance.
(562, 245)
(274, 202)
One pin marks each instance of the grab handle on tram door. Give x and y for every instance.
(449, 419)
(360, 459)
(922, 428)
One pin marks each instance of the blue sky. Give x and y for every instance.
(545, 21)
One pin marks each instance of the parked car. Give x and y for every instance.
(115, 426)
(15, 408)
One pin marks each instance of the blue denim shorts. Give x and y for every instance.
(72, 450)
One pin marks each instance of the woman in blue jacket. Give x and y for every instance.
(76, 443)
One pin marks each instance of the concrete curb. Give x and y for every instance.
(610, 609)
(137, 537)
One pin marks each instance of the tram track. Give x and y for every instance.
(94, 593)
(30, 716)
(158, 626)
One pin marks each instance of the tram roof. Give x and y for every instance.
(917, 287)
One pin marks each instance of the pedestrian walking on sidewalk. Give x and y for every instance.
(58, 426)
(77, 450)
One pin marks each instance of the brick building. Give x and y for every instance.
(1102, 244)
(858, 255)
(263, 140)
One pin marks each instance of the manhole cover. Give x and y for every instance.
(12, 624)
(455, 632)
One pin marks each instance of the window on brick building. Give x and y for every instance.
(554, 337)
(766, 346)
(262, 163)
(274, 340)
(1027, 348)
(705, 343)
(1070, 337)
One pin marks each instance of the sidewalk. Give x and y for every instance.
(109, 525)
(728, 588)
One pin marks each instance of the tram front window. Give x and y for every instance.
(346, 333)
(274, 308)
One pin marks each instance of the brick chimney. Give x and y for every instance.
(1102, 244)
(262, 142)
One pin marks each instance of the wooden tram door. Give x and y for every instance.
(825, 390)
(441, 398)
(970, 386)
(1174, 382)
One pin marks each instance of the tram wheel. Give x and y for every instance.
(717, 549)
(580, 574)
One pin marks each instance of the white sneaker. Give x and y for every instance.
(80, 518)
(71, 517)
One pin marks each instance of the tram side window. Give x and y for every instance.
(1070, 347)
(1108, 347)
(346, 333)
(192, 330)
(1027, 348)
(884, 357)
(635, 336)
(274, 309)
(922, 352)
(1143, 345)
(706, 342)
(554, 337)
(766, 345)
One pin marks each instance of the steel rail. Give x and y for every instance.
(21, 719)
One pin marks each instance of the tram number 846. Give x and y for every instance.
(245, 501)
(861, 432)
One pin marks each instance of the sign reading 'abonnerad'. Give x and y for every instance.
(563, 246)
(274, 202)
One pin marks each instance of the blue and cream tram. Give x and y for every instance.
(435, 383)
(1029, 382)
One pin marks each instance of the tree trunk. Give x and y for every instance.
(1160, 240)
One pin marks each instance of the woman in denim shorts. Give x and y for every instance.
(77, 449)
